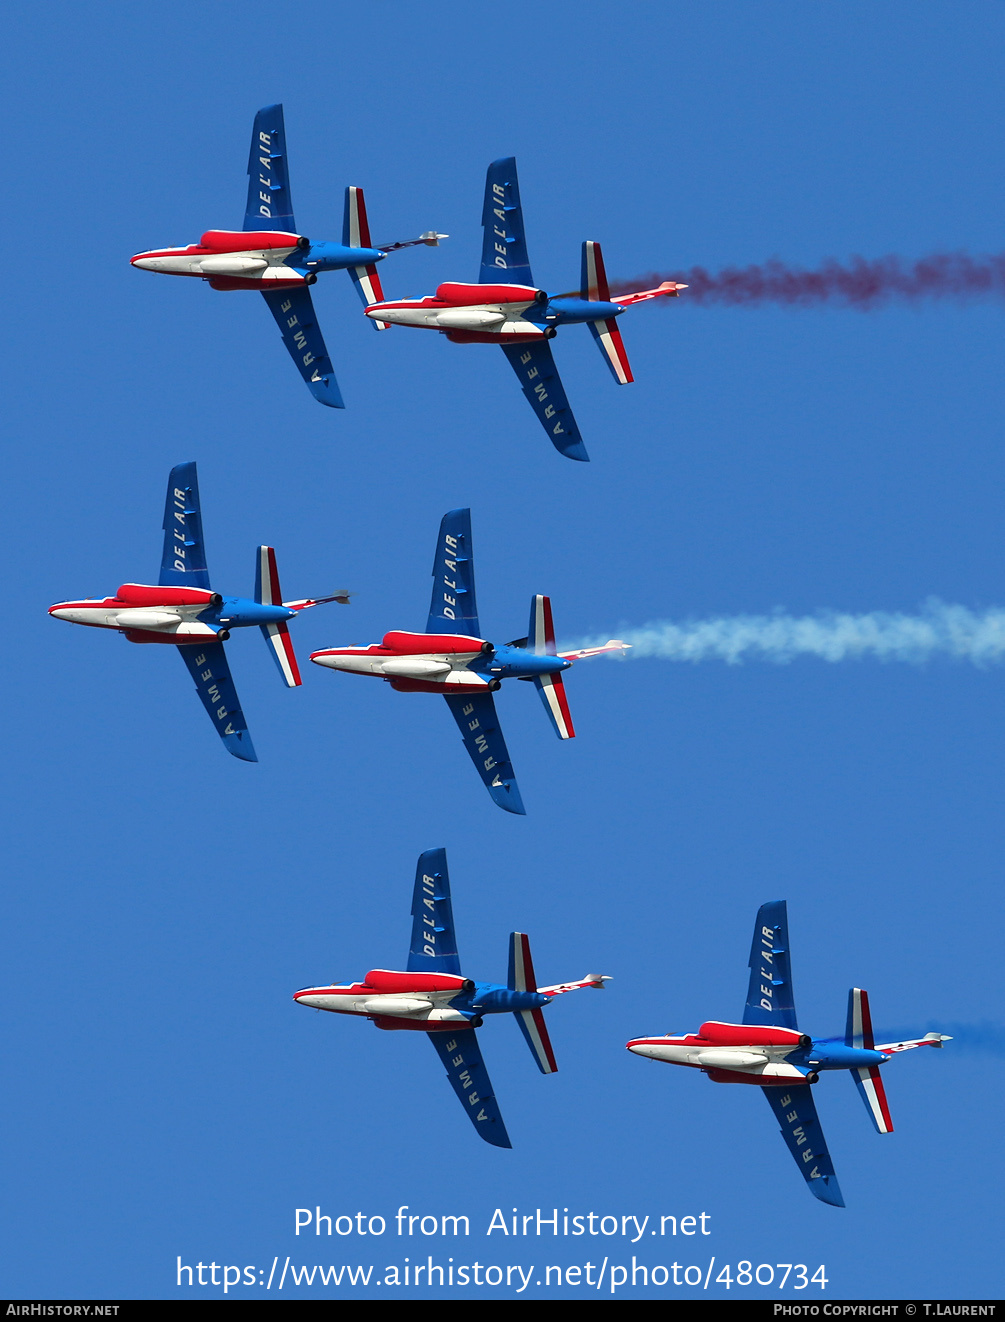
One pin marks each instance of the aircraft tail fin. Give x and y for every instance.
(532, 1025)
(595, 289)
(277, 635)
(356, 234)
(541, 639)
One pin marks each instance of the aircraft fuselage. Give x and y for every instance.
(440, 662)
(494, 314)
(426, 1002)
(745, 1053)
(152, 614)
(239, 259)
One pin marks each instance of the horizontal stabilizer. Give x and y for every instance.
(858, 1025)
(277, 635)
(612, 346)
(593, 280)
(541, 630)
(521, 978)
(280, 644)
(535, 1034)
(356, 234)
(873, 1094)
(556, 703)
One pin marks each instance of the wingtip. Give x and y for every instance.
(827, 1191)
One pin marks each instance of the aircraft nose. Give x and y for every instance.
(59, 612)
(144, 262)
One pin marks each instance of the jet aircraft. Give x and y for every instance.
(506, 308)
(182, 609)
(768, 1049)
(452, 658)
(433, 997)
(270, 255)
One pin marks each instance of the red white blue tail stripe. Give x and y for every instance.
(277, 635)
(532, 1025)
(606, 332)
(356, 234)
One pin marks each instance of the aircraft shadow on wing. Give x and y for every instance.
(505, 307)
(182, 609)
(270, 255)
(767, 1049)
(452, 658)
(432, 996)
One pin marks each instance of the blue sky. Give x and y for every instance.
(168, 1098)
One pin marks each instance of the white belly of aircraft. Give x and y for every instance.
(395, 1007)
(250, 265)
(158, 620)
(437, 669)
(498, 320)
(767, 1061)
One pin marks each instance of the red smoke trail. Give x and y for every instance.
(859, 283)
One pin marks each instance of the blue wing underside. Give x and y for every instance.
(270, 207)
(183, 558)
(183, 565)
(505, 261)
(476, 718)
(535, 367)
(433, 947)
(796, 1113)
(771, 1003)
(452, 607)
(461, 1058)
(770, 1000)
(293, 310)
(207, 664)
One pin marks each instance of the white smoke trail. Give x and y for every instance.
(937, 630)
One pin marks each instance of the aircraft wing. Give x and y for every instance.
(504, 247)
(540, 382)
(475, 714)
(294, 314)
(453, 608)
(796, 1113)
(470, 1081)
(433, 948)
(207, 665)
(269, 205)
(769, 994)
(183, 559)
